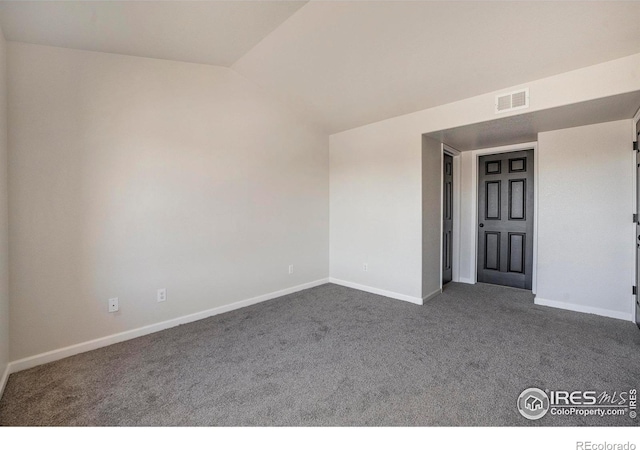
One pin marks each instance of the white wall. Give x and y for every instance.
(586, 255)
(372, 198)
(468, 219)
(431, 223)
(376, 209)
(130, 174)
(4, 221)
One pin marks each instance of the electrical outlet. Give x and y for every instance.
(365, 267)
(114, 305)
(162, 295)
(290, 269)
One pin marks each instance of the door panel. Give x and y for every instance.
(517, 252)
(492, 210)
(517, 199)
(638, 225)
(447, 219)
(492, 250)
(505, 219)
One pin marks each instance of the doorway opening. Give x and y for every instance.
(447, 218)
(450, 215)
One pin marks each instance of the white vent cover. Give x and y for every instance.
(512, 101)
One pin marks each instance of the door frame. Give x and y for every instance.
(474, 203)
(455, 251)
(636, 281)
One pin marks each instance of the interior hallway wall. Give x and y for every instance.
(431, 223)
(586, 254)
(374, 183)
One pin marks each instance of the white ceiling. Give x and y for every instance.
(354, 63)
(348, 63)
(207, 32)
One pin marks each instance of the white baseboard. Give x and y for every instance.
(434, 294)
(466, 280)
(584, 309)
(372, 290)
(54, 355)
(3, 380)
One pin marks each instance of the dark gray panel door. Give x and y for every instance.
(505, 219)
(638, 226)
(447, 219)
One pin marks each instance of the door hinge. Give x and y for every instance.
(635, 146)
(634, 290)
(635, 218)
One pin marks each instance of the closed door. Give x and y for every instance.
(505, 219)
(638, 226)
(447, 219)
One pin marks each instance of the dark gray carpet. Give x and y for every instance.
(336, 356)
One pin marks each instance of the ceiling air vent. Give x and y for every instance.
(512, 101)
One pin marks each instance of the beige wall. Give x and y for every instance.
(374, 185)
(376, 176)
(4, 221)
(586, 255)
(468, 219)
(130, 174)
(431, 220)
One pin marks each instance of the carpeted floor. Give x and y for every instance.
(337, 356)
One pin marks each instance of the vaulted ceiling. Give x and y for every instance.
(207, 32)
(348, 63)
